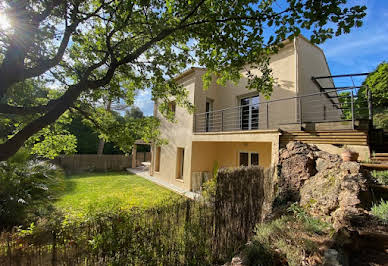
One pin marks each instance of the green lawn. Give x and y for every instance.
(93, 192)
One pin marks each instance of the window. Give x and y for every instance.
(157, 159)
(180, 163)
(248, 159)
(172, 107)
(249, 108)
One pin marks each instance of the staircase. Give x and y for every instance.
(380, 157)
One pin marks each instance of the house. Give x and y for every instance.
(235, 126)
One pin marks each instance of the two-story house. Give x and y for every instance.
(235, 126)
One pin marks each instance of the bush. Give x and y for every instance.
(381, 211)
(381, 177)
(27, 189)
(288, 239)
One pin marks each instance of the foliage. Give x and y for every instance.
(380, 120)
(51, 140)
(87, 137)
(209, 187)
(377, 82)
(176, 232)
(93, 192)
(381, 177)
(312, 224)
(134, 112)
(123, 132)
(290, 239)
(381, 211)
(27, 188)
(118, 48)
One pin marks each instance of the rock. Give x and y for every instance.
(319, 194)
(351, 167)
(324, 164)
(236, 261)
(331, 258)
(294, 171)
(324, 184)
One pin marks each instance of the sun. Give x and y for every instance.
(4, 22)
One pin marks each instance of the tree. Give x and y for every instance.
(134, 112)
(377, 82)
(48, 142)
(144, 44)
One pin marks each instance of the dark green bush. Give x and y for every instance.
(27, 189)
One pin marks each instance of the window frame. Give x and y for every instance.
(249, 157)
(158, 153)
(180, 163)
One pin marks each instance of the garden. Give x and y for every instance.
(120, 218)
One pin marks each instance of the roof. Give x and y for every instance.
(285, 42)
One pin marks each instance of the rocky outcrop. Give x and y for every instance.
(323, 184)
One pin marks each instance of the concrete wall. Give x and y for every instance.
(312, 62)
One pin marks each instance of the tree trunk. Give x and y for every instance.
(12, 145)
(100, 149)
(101, 143)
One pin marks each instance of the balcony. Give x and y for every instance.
(333, 106)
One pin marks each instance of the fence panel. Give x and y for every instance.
(93, 162)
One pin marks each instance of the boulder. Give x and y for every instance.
(325, 186)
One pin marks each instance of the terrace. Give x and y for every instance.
(336, 107)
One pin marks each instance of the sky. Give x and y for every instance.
(359, 51)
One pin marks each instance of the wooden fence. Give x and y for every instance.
(93, 162)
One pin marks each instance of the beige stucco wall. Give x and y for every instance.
(292, 68)
(226, 154)
(283, 65)
(311, 62)
(178, 134)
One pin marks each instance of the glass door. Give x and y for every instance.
(209, 109)
(249, 113)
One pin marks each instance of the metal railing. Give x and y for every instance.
(326, 106)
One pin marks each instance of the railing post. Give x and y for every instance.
(222, 120)
(370, 107)
(266, 107)
(352, 107)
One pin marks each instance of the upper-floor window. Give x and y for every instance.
(172, 107)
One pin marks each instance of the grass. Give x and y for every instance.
(95, 192)
(381, 177)
(381, 211)
(290, 239)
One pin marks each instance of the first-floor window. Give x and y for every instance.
(157, 159)
(248, 158)
(180, 163)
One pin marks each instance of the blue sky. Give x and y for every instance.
(359, 51)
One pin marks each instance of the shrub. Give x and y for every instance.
(27, 189)
(288, 239)
(381, 177)
(311, 224)
(381, 211)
